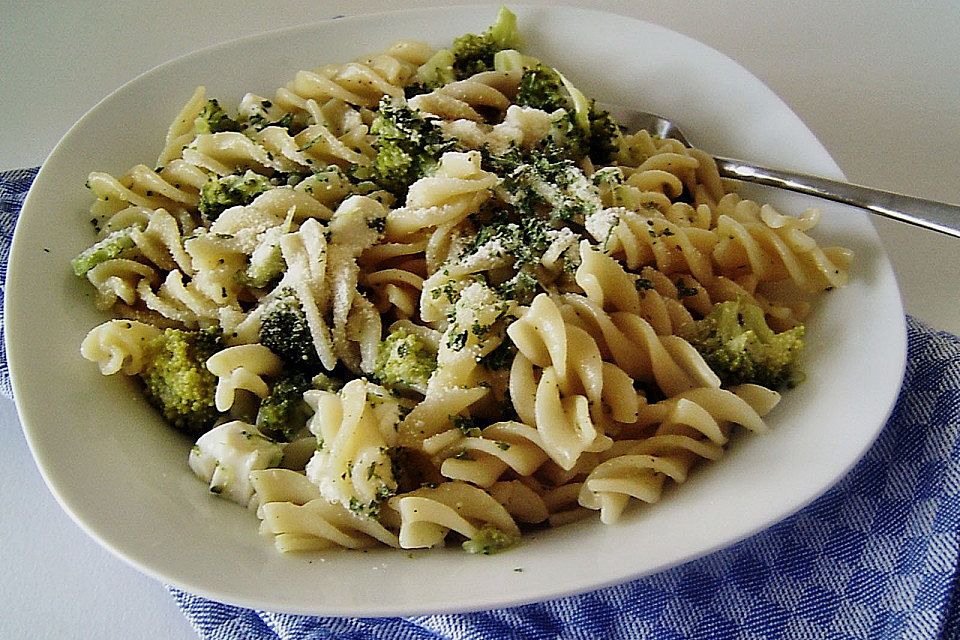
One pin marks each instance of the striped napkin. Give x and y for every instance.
(875, 557)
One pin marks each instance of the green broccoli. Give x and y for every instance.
(405, 361)
(326, 382)
(605, 134)
(585, 129)
(541, 87)
(261, 273)
(409, 146)
(114, 245)
(474, 53)
(177, 381)
(489, 540)
(284, 330)
(565, 140)
(219, 194)
(213, 119)
(283, 413)
(739, 345)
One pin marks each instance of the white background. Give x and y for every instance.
(877, 82)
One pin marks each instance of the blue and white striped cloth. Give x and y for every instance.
(875, 557)
(14, 186)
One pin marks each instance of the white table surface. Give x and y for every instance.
(877, 82)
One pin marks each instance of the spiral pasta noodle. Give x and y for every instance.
(118, 345)
(772, 246)
(293, 512)
(471, 99)
(353, 433)
(483, 458)
(688, 427)
(427, 515)
(242, 367)
(362, 82)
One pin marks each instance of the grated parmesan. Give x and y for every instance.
(602, 222)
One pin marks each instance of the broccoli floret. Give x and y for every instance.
(566, 140)
(490, 540)
(283, 413)
(408, 146)
(219, 194)
(113, 246)
(473, 53)
(585, 129)
(405, 361)
(284, 330)
(739, 345)
(177, 381)
(605, 134)
(542, 88)
(213, 119)
(396, 167)
(325, 382)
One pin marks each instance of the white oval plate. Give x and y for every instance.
(122, 474)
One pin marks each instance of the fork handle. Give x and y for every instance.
(929, 214)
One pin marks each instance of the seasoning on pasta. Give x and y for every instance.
(432, 296)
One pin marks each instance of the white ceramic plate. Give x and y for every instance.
(122, 474)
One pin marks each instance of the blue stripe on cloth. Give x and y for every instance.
(876, 557)
(14, 186)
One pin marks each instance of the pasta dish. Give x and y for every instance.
(437, 295)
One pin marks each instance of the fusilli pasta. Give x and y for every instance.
(420, 297)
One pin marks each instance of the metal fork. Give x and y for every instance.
(928, 214)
